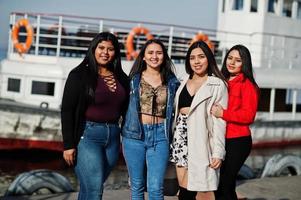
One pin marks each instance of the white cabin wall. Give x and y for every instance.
(284, 48)
(274, 40)
(241, 27)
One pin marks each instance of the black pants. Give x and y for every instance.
(237, 151)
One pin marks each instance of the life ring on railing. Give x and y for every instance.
(202, 37)
(22, 47)
(131, 52)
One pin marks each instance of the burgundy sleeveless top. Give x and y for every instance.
(108, 104)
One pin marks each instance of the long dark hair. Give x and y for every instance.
(247, 68)
(212, 66)
(166, 68)
(91, 67)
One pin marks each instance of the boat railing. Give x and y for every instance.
(56, 36)
(69, 36)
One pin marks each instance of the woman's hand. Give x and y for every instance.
(69, 156)
(215, 163)
(217, 110)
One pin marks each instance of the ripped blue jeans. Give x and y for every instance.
(146, 161)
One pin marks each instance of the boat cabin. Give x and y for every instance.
(34, 73)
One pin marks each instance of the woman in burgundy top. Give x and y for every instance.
(95, 97)
(240, 114)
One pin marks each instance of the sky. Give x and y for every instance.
(197, 13)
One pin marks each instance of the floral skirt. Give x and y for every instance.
(179, 151)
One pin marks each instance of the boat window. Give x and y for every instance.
(13, 85)
(42, 88)
(287, 8)
(254, 6)
(299, 10)
(283, 100)
(290, 99)
(238, 5)
(272, 6)
(223, 5)
(280, 101)
(264, 100)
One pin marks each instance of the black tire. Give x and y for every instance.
(280, 163)
(29, 182)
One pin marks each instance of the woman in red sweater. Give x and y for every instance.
(240, 114)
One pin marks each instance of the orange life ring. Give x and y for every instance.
(202, 37)
(22, 47)
(131, 52)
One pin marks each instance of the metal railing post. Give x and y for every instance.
(37, 35)
(10, 46)
(294, 103)
(224, 52)
(272, 103)
(101, 26)
(59, 37)
(170, 41)
(138, 38)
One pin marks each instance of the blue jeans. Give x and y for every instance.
(97, 154)
(147, 157)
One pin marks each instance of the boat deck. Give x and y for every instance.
(265, 188)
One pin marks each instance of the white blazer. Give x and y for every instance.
(206, 133)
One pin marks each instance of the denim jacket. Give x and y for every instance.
(132, 127)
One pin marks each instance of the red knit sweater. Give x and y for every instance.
(242, 107)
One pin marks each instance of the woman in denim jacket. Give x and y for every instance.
(147, 129)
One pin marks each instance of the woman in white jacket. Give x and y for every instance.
(198, 146)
